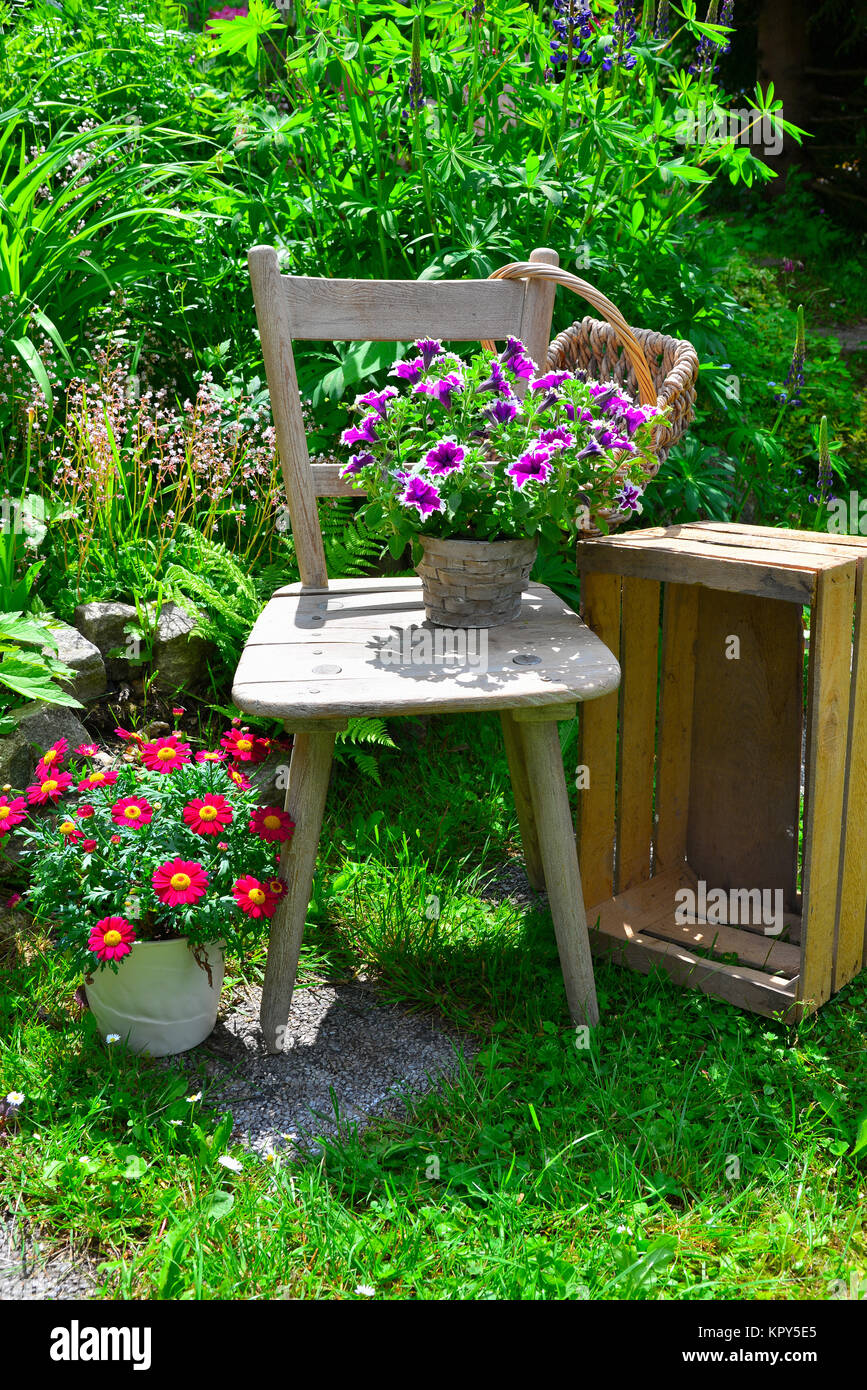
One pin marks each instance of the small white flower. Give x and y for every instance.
(14, 1099)
(365, 1290)
(176, 1122)
(112, 1037)
(621, 1229)
(192, 1099)
(231, 1163)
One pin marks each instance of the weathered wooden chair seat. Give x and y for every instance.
(364, 647)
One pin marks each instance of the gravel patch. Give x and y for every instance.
(28, 1272)
(348, 1058)
(509, 883)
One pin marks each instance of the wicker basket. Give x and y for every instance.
(658, 370)
(467, 583)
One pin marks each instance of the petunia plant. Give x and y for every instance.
(457, 448)
(168, 843)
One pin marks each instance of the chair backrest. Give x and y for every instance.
(296, 306)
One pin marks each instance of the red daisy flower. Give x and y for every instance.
(239, 778)
(12, 813)
(271, 824)
(115, 839)
(112, 938)
(241, 745)
(97, 778)
(207, 814)
(128, 734)
(88, 846)
(70, 832)
(132, 810)
(207, 756)
(178, 710)
(165, 754)
(180, 881)
(276, 887)
(222, 845)
(54, 756)
(49, 789)
(85, 811)
(253, 897)
(87, 750)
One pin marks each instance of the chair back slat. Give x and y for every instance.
(303, 307)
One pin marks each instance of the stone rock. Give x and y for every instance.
(103, 624)
(179, 656)
(86, 661)
(41, 725)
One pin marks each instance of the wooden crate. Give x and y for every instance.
(695, 765)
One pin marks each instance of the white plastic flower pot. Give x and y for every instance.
(160, 1001)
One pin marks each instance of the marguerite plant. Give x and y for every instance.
(455, 450)
(166, 844)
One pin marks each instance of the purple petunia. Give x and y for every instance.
(549, 382)
(502, 412)
(559, 438)
(514, 356)
(496, 382)
(377, 401)
(442, 390)
(408, 371)
(429, 349)
(365, 433)
(355, 464)
(446, 456)
(533, 466)
(421, 495)
(628, 498)
(610, 439)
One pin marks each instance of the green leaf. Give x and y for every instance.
(860, 1136)
(396, 545)
(31, 358)
(220, 1205)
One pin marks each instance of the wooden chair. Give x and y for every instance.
(313, 658)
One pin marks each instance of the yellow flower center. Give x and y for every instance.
(208, 813)
(51, 756)
(132, 812)
(180, 881)
(272, 822)
(96, 777)
(165, 755)
(4, 812)
(256, 896)
(67, 827)
(112, 938)
(50, 785)
(245, 743)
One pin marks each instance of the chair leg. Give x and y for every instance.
(309, 771)
(523, 802)
(544, 763)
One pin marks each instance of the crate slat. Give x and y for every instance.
(677, 680)
(850, 949)
(639, 647)
(597, 747)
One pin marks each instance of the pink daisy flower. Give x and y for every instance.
(244, 747)
(165, 754)
(180, 881)
(85, 811)
(132, 810)
(209, 756)
(97, 778)
(112, 938)
(271, 824)
(239, 778)
(54, 756)
(12, 813)
(88, 846)
(70, 832)
(49, 789)
(253, 897)
(207, 814)
(87, 750)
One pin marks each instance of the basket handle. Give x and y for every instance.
(530, 270)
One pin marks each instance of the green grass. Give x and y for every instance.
(692, 1152)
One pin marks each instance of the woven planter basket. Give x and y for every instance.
(469, 583)
(656, 369)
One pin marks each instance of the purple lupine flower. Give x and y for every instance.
(571, 17)
(496, 382)
(549, 382)
(429, 349)
(502, 412)
(558, 438)
(628, 498)
(365, 433)
(446, 456)
(662, 26)
(624, 34)
(533, 466)
(708, 50)
(355, 464)
(414, 92)
(408, 371)
(825, 475)
(421, 495)
(378, 400)
(441, 390)
(795, 375)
